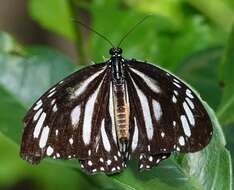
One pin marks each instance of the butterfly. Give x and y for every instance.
(107, 113)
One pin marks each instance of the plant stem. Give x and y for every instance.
(79, 41)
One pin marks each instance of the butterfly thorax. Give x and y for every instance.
(120, 99)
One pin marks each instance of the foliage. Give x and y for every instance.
(227, 69)
(182, 36)
(54, 15)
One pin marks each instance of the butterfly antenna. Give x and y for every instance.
(133, 28)
(94, 31)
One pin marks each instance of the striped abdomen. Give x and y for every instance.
(121, 109)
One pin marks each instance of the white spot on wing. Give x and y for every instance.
(174, 99)
(86, 82)
(101, 160)
(111, 111)
(49, 151)
(176, 92)
(176, 84)
(94, 170)
(90, 163)
(185, 125)
(39, 124)
(146, 112)
(162, 134)
(189, 93)
(55, 108)
(164, 157)
(37, 115)
(148, 147)
(190, 103)
(71, 141)
(141, 156)
(150, 82)
(176, 81)
(151, 158)
(53, 89)
(189, 113)
(157, 110)
(52, 102)
(108, 162)
(181, 141)
(89, 109)
(105, 139)
(38, 105)
(44, 137)
(135, 136)
(51, 94)
(75, 116)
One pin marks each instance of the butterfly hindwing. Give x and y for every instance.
(167, 114)
(104, 154)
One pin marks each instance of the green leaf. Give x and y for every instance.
(204, 170)
(154, 40)
(201, 70)
(216, 10)
(168, 9)
(15, 172)
(8, 44)
(54, 15)
(225, 113)
(27, 76)
(11, 124)
(23, 78)
(229, 131)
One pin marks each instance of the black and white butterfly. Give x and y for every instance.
(108, 113)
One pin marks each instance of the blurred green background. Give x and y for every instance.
(40, 44)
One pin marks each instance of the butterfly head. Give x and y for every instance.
(115, 52)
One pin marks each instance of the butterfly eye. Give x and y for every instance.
(115, 51)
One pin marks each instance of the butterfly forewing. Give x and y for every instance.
(169, 115)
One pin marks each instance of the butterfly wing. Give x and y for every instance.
(166, 115)
(73, 120)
